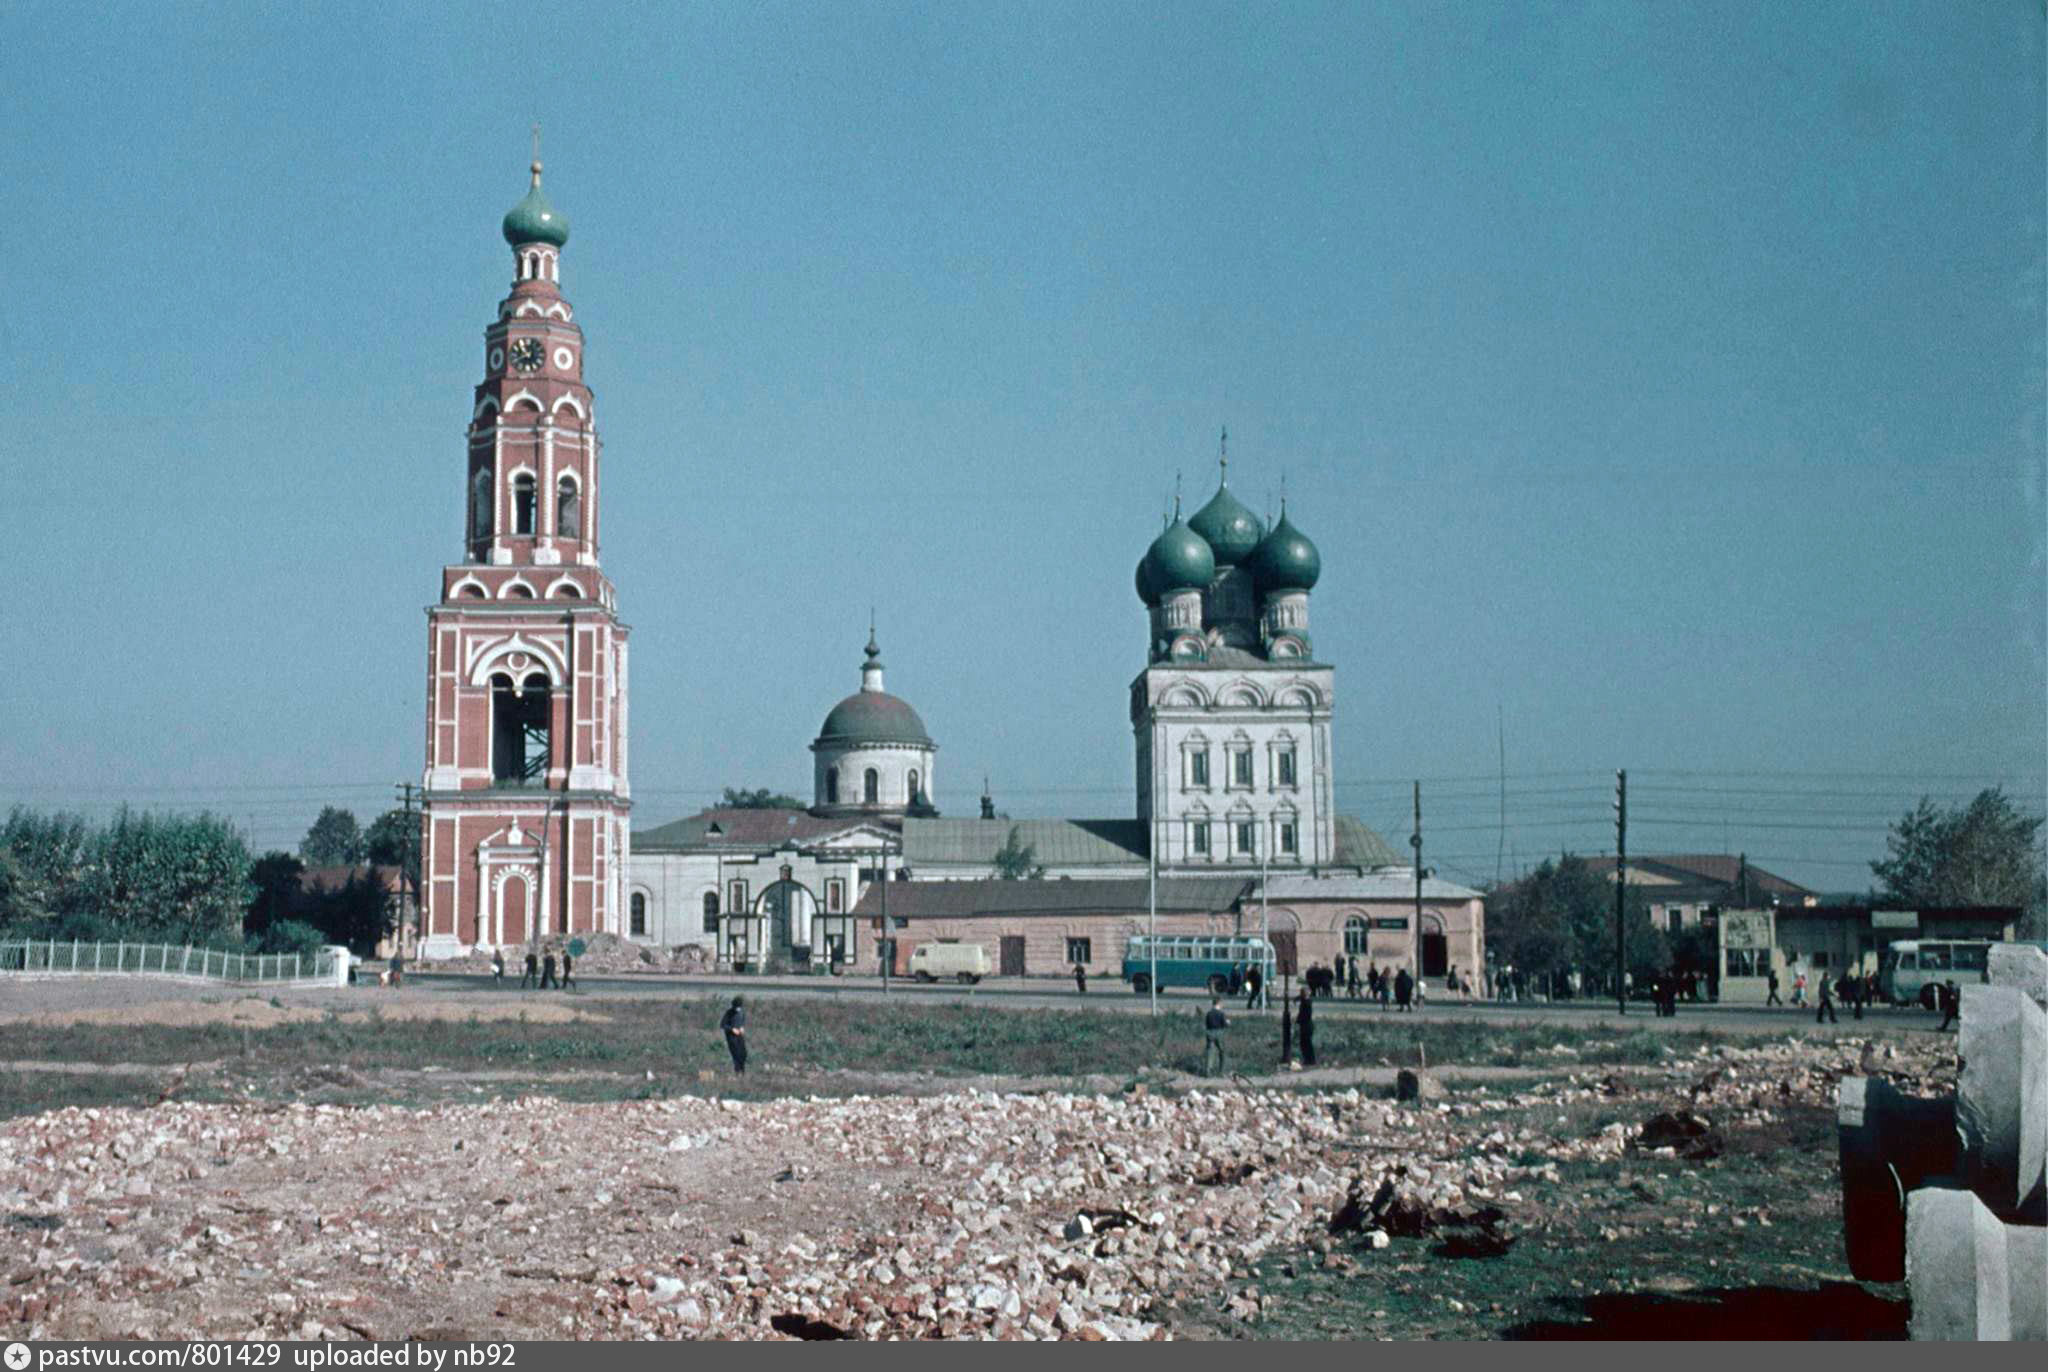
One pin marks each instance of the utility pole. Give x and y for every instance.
(408, 867)
(1415, 842)
(1621, 892)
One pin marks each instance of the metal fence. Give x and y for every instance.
(76, 957)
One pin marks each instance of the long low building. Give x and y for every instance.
(1046, 928)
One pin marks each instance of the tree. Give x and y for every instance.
(1982, 853)
(355, 913)
(1016, 860)
(393, 840)
(335, 840)
(179, 878)
(1562, 916)
(278, 892)
(763, 799)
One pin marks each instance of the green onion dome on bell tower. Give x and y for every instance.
(1231, 531)
(1178, 560)
(1285, 560)
(534, 220)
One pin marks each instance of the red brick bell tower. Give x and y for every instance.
(525, 826)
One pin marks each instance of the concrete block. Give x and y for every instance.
(1890, 1143)
(1956, 1267)
(2026, 1274)
(2020, 967)
(2002, 1099)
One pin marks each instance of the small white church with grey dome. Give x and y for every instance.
(1230, 718)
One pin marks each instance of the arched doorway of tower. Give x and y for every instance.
(788, 909)
(512, 905)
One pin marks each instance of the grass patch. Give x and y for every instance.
(798, 1045)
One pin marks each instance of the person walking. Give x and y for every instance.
(1081, 978)
(397, 969)
(568, 964)
(1825, 1009)
(1948, 997)
(531, 977)
(1305, 1030)
(1773, 999)
(1254, 980)
(1851, 989)
(497, 966)
(1404, 989)
(547, 969)
(733, 1024)
(1213, 1025)
(1353, 987)
(1799, 989)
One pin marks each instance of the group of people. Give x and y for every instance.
(1297, 1032)
(540, 969)
(1853, 989)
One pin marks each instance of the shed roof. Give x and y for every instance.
(1054, 842)
(751, 829)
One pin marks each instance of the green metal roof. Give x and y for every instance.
(1358, 846)
(1285, 560)
(1057, 842)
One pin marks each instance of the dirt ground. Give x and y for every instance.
(1523, 1203)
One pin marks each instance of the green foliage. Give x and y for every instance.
(1982, 853)
(172, 878)
(393, 840)
(1562, 916)
(762, 799)
(334, 840)
(275, 880)
(290, 936)
(354, 914)
(1016, 861)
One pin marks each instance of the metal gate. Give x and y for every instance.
(1013, 955)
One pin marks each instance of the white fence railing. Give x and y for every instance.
(76, 957)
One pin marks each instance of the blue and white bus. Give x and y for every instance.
(1217, 962)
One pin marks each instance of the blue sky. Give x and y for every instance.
(1663, 386)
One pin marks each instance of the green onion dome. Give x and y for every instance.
(1178, 560)
(1285, 560)
(534, 220)
(1231, 531)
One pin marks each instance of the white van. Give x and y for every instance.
(967, 962)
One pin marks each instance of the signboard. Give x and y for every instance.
(1895, 919)
(1745, 929)
(1396, 922)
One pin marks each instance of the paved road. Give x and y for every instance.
(1011, 993)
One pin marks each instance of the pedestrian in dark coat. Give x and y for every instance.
(733, 1024)
(1254, 978)
(547, 970)
(567, 963)
(1825, 1010)
(532, 975)
(1305, 1027)
(1081, 978)
(1404, 989)
(1949, 997)
(1214, 1023)
(1352, 986)
(1773, 997)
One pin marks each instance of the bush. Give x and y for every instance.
(291, 936)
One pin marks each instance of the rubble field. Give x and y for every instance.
(1197, 1210)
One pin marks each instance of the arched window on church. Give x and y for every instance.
(568, 508)
(522, 503)
(711, 912)
(831, 785)
(1354, 936)
(639, 925)
(871, 787)
(480, 506)
(519, 731)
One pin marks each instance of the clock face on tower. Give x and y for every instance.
(528, 354)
